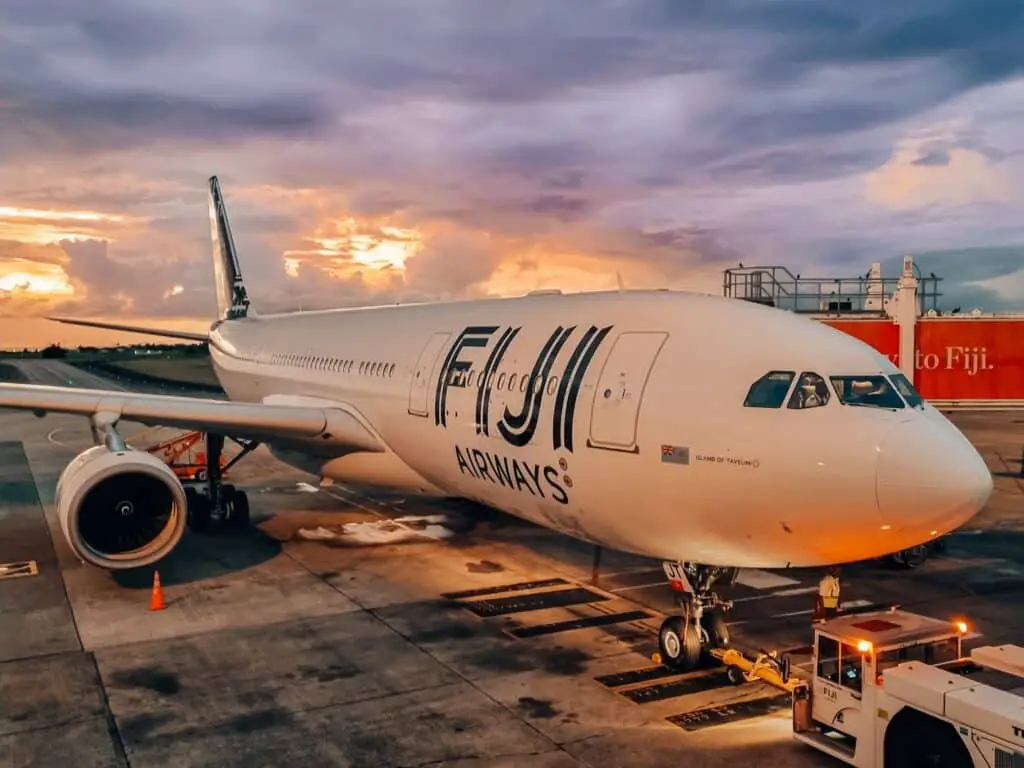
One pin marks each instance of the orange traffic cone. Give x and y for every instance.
(156, 601)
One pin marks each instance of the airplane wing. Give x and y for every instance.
(330, 424)
(169, 334)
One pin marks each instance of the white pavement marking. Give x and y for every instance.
(758, 579)
(349, 497)
(808, 612)
(662, 583)
(842, 607)
(779, 593)
(50, 437)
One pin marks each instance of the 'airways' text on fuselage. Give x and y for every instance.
(537, 479)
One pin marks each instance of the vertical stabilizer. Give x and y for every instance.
(232, 298)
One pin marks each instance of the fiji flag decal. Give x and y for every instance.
(675, 454)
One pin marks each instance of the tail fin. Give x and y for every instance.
(232, 298)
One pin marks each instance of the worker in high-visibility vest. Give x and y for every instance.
(828, 595)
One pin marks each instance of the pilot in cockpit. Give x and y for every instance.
(811, 392)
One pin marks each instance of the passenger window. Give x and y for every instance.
(770, 390)
(524, 381)
(866, 391)
(552, 384)
(852, 664)
(905, 388)
(469, 378)
(511, 382)
(828, 658)
(501, 381)
(810, 392)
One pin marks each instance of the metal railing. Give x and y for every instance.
(777, 286)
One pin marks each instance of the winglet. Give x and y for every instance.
(232, 298)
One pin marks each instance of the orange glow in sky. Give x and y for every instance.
(39, 227)
(344, 246)
(28, 278)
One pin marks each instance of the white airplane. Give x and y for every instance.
(711, 433)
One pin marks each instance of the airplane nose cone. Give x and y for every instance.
(930, 480)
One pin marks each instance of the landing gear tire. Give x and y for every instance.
(908, 559)
(680, 643)
(199, 516)
(713, 622)
(238, 509)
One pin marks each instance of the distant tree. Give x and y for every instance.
(53, 351)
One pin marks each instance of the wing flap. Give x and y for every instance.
(333, 424)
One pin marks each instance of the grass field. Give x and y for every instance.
(197, 371)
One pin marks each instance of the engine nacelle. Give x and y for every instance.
(120, 510)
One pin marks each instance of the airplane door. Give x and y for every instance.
(420, 388)
(620, 389)
(838, 685)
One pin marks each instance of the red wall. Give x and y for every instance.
(969, 359)
(956, 358)
(883, 335)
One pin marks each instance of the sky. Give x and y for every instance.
(410, 150)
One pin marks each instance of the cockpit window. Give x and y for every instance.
(810, 392)
(770, 390)
(905, 388)
(870, 391)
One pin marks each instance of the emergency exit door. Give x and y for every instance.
(420, 388)
(620, 390)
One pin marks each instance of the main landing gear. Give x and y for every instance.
(684, 639)
(213, 502)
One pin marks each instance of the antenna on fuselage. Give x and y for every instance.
(618, 281)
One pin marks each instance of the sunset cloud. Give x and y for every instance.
(403, 151)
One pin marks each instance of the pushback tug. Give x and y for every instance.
(892, 689)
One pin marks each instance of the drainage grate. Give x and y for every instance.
(534, 602)
(730, 713)
(634, 676)
(604, 620)
(695, 682)
(521, 586)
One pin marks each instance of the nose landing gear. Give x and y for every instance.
(687, 638)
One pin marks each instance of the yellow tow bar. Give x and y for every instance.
(766, 667)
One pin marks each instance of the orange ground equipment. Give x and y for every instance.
(180, 455)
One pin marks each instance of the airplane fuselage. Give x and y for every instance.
(619, 418)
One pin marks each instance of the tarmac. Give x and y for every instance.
(348, 628)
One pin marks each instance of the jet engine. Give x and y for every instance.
(120, 509)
